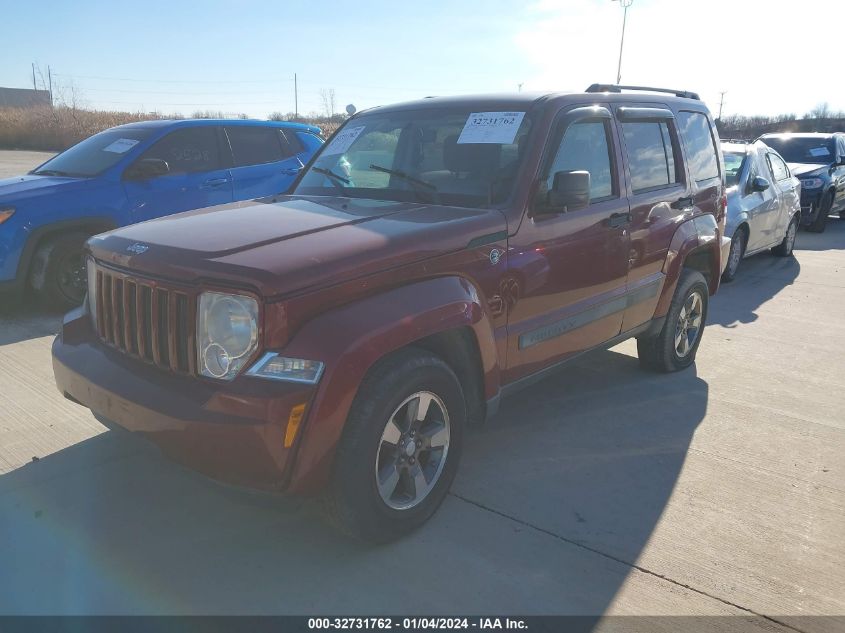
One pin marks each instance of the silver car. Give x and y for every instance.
(764, 203)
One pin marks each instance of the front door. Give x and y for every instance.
(569, 267)
(196, 177)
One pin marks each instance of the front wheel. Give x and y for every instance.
(819, 222)
(675, 346)
(58, 275)
(400, 448)
(784, 249)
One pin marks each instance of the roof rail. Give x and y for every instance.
(686, 94)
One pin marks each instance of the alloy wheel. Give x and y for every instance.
(688, 327)
(412, 450)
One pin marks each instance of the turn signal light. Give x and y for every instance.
(6, 213)
(294, 421)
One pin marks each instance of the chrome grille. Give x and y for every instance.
(147, 320)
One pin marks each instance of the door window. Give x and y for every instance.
(585, 147)
(291, 145)
(254, 145)
(188, 150)
(703, 160)
(779, 168)
(651, 155)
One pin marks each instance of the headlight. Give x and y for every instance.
(812, 183)
(6, 213)
(227, 333)
(92, 290)
(278, 367)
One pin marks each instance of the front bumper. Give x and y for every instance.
(233, 432)
(810, 200)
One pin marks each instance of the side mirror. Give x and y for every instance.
(570, 191)
(759, 184)
(841, 160)
(147, 168)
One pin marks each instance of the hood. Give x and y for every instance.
(803, 169)
(26, 186)
(283, 245)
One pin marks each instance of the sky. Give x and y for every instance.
(768, 56)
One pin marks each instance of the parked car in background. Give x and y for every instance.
(764, 203)
(435, 257)
(129, 174)
(818, 160)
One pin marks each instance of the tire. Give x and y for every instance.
(784, 249)
(738, 243)
(660, 352)
(820, 222)
(355, 502)
(58, 274)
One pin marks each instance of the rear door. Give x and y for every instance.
(265, 160)
(658, 194)
(197, 177)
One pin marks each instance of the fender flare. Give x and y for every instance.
(352, 338)
(700, 234)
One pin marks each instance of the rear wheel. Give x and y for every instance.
(784, 249)
(400, 448)
(675, 346)
(819, 221)
(738, 242)
(58, 275)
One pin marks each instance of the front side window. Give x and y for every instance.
(254, 145)
(651, 156)
(584, 147)
(95, 154)
(456, 157)
(703, 160)
(779, 169)
(188, 150)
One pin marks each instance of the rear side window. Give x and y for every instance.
(291, 145)
(585, 147)
(254, 145)
(188, 150)
(703, 160)
(651, 157)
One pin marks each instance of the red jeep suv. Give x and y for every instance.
(433, 257)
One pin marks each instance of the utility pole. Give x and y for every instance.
(33, 77)
(50, 80)
(721, 103)
(520, 87)
(624, 4)
(295, 98)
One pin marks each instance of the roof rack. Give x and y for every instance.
(686, 94)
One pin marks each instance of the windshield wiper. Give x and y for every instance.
(335, 179)
(52, 172)
(414, 181)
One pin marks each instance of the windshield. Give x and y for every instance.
(803, 149)
(93, 155)
(458, 158)
(734, 162)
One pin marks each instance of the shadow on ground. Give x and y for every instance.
(554, 498)
(21, 319)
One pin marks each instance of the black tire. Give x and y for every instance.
(352, 501)
(738, 241)
(784, 249)
(658, 352)
(58, 274)
(820, 221)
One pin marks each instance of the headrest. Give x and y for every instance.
(470, 157)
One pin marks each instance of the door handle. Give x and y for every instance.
(682, 203)
(619, 219)
(215, 182)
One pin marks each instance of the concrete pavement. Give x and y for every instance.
(602, 490)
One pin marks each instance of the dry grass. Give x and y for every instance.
(56, 129)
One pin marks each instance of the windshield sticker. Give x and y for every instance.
(121, 145)
(343, 141)
(819, 151)
(491, 127)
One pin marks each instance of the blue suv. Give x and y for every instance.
(133, 173)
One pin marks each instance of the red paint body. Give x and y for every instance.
(347, 281)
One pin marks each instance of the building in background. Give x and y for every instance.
(23, 98)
